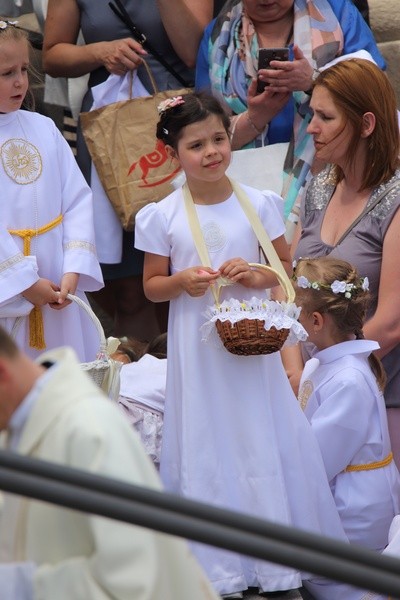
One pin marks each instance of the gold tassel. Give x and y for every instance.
(36, 329)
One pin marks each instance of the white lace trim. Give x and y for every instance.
(75, 244)
(148, 423)
(10, 262)
(281, 315)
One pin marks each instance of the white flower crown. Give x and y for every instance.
(5, 24)
(337, 287)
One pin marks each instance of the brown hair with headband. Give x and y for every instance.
(194, 108)
(347, 310)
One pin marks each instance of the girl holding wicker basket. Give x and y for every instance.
(47, 246)
(234, 435)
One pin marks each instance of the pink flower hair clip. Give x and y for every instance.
(169, 103)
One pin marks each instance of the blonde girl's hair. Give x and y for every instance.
(8, 347)
(358, 86)
(15, 33)
(348, 311)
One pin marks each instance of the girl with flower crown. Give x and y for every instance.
(233, 434)
(341, 393)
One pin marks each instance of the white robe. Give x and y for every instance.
(234, 435)
(39, 181)
(346, 409)
(80, 556)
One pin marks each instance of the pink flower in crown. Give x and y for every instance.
(169, 103)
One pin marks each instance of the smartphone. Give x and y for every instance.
(265, 55)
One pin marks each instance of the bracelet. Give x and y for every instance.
(258, 131)
(235, 121)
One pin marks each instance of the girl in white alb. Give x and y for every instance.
(234, 435)
(46, 221)
(341, 395)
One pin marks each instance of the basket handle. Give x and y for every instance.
(87, 308)
(258, 229)
(89, 312)
(264, 240)
(282, 280)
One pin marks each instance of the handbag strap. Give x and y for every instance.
(120, 11)
(368, 209)
(257, 227)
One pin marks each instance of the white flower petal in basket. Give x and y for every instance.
(278, 315)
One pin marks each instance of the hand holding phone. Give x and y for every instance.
(265, 55)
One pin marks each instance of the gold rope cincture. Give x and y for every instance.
(36, 329)
(258, 229)
(370, 466)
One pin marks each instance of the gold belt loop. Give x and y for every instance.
(36, 328)
(370, 466)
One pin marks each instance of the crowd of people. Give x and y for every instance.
(308, 436)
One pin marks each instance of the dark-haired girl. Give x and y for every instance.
(233, 435)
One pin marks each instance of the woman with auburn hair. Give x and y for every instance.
(350, 210)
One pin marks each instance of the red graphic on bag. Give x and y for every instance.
(153, 160)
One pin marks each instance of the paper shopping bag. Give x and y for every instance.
(132, 164)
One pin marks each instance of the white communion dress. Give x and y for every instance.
(234, 435)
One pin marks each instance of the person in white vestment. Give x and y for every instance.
(142, 393)
(233, 434)
(51, 410)
(47, 247)
(341, 393)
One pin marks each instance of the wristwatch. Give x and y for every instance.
(314, 76)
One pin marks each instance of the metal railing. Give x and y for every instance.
(168, 513)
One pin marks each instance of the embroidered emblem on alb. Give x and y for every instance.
(306, 390)
(214, 237)
(21, 161)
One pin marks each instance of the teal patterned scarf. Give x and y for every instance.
(233, 50)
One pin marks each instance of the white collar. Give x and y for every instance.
(345, 348)
(21, 415)
(7, 118)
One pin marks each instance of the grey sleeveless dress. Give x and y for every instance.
(362, 247)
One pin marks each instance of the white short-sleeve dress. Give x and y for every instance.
(234, 435)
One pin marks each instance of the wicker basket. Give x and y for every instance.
(104, 371)
(248, 336)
